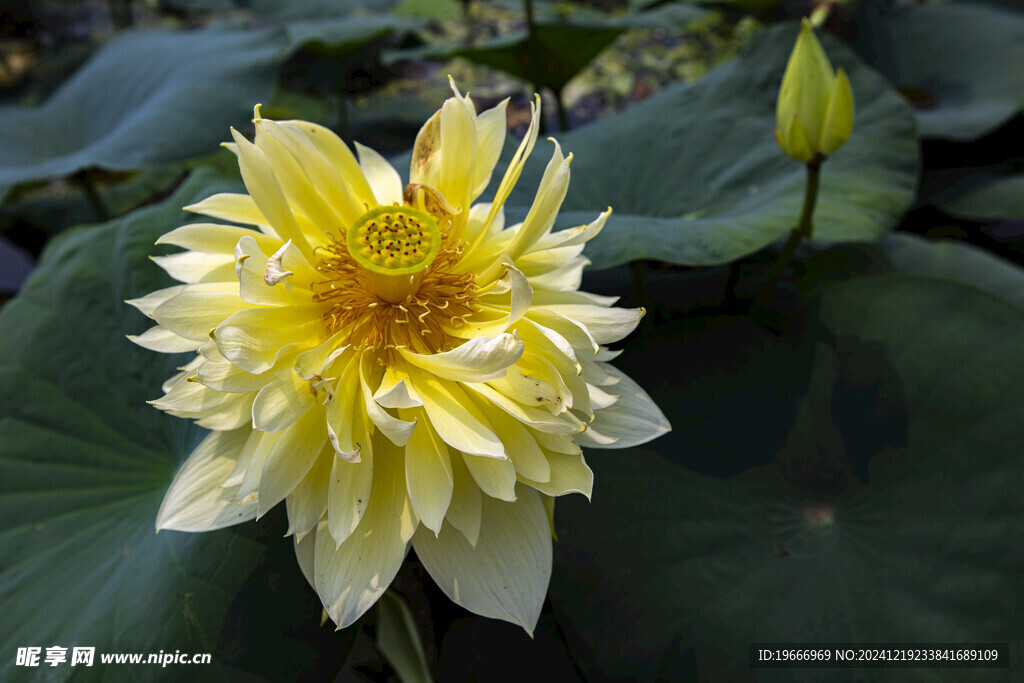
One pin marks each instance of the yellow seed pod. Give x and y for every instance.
(394, 245)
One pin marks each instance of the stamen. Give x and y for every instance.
(443, 300)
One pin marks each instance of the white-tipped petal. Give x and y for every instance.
(344, 411)
(196, 499)
(599, 398)
(542, 214)
(458, 144)
(573, 331)
(307, 503)
(554, 443)
(464, 509)
(428, 474)
(280, 403)
(291, 459)
(350, 577)
(260, 446)
(633, 420)
(506, 575)
(456, 418)
(496, 478)
(194, 312)
(510, 306)
(478, 360)
(304, 189)
(398, 431)
(215, 238)
(223, 376)
(382, 176)
(522, 448)
(607, 325)
(197, 266)
(569, 474)
(159, 338)
(237, 208)
(149, 303)
(491, 129)
(573, 236)
(395, 390)
(188, 396)
(341, 158)
(264, 188)
(305, 548)
(518, 161)
(537, 418)
(232, 414)
(252, 339)
(349, 494)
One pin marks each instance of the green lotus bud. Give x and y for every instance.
(814, 115)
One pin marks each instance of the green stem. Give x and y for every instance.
(467, 20)
(342, 122)
(640, 283)
(528, 11)
(92, 196)
(120, 13)
(804, 229)
(732, 276)
(542, 128)
(563, 115)
(806, 225)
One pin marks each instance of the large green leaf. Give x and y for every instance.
(147, 97)
(52, 208)
(85, 463)
(890, 513)
(759, 7)
(558, 44)
(696, 178)
(315, 8)
(906, 253)
(292, 8)
(339, 35)
(960, 65)
(992, 192)
(198, 5)
(984, 196)
(548, 57)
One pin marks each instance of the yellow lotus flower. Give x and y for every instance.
(814, 114)
(395, 364)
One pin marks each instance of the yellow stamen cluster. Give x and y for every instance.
(420, 322)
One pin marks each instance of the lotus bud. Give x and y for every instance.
(814, 116)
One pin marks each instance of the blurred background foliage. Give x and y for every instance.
(845, 461)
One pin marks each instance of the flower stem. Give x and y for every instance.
(563, 115)
(120, 13)
(732, 276)
(804, 229)
(92, 195)
(467, 21)
(528, 11)
(640, 284)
